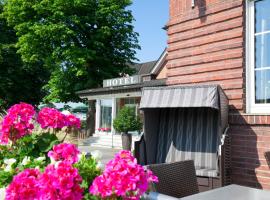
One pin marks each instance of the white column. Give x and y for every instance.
(113, 112)
(97, 114)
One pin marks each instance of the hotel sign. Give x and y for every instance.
(122, 81)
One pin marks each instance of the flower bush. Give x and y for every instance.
(51, 118)
(122, 177)
(104, 129)
(60, 182)
(72, 121)
(39, 166)
(24, 185)
(23, 144)
(64, 152)
(17, 123)
(55, 183)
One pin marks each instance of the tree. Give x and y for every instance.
(81, 41)
(18, 81)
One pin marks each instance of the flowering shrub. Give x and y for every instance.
(17, 123)
(24, 185)
(122, 177)
(25, 168)
(64, 152)
(104, 129)
(51, 118)
(72, 121)
(27, 145)
(61, 182)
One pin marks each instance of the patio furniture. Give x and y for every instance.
(267, 157)
(176, 179)
(231, 192)
(157, 196)
(187, 123)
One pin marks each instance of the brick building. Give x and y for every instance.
(227, 42)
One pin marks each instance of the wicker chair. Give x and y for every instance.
(267, 157)
(176, 179)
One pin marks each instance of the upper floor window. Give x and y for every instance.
(258, 60)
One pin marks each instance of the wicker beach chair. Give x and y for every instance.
(176, 179)
(267, 157)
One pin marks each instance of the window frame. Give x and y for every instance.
(252, 107)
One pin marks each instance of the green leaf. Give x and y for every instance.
(46, 141)
(67, 46)
(127, 120)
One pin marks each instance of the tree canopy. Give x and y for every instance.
(18, 81)
(81, 42)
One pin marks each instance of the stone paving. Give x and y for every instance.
(107, 153)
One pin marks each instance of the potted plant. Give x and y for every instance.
(127, 121)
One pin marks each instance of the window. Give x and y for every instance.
(105, 113)
(258, 56)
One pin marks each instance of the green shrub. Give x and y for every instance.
(127, 120)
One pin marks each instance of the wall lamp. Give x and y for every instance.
(192, 3)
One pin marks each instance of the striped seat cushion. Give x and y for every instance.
(207, 172)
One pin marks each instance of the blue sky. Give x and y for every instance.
(151, 16)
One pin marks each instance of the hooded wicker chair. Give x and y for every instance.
(267, 157)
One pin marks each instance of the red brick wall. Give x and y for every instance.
(206, 44)
(249, 166)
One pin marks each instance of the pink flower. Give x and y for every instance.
(24, 185)
(72, 121)
(64, 152)
(122, 177)
(51, 118)
(17, 123)
(56, 183)
(62, 182)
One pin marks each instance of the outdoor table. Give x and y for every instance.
(231, 192)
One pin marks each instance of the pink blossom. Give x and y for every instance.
(62, 182)
(17, 123)
(24, 186)
(56, 183)
(51, 118)
(122, 177)
(72, 121)
(64, 152)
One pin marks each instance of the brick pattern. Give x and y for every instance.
(247, 119)
(249, 165)
(206, 45)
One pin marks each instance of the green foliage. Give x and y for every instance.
(83, 124)
(18, 81)
(6, 178)
(88, 170)
(81, 41)
(32, 146)
(127, 120)
(46, 142)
